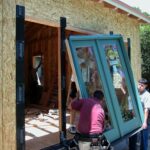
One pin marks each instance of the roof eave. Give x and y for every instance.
(128, 9)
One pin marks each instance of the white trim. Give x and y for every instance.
(128, 9)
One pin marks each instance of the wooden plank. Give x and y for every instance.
(71, 63)
(41, 21)
(68, 94)
(109, 5)
(54, 68)
(55, 24)
(121, 11)
(47, 57)
(59, 81)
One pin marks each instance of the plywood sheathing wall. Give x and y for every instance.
(83, 14)
(92, 16)
(7, 75)
(1, 76)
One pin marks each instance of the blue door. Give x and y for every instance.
(100, 62)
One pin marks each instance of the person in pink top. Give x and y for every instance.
(92, 116)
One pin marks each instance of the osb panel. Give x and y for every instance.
(8, 76)
(0, 76)
(88, 15)
(20, 2)
(82, 14)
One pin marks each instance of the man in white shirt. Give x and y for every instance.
(145, 100)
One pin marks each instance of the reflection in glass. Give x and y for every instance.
(37, 72)
(91, 78)
(119, 81)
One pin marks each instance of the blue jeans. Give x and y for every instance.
(144, 139)
(132, 142)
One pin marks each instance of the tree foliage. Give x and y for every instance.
(145, 47)
(145, 50)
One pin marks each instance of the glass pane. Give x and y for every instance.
(91, 78)
(38, 69)
(119, 81)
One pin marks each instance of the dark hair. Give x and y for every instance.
(73, 90)
(143, 81)
(98, 94)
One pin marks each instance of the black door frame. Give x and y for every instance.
(20, 81)
(20, 88)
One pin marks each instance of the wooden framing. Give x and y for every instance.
(53, 24)
(42, 43)
(8, 49)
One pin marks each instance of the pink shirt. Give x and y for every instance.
(92, 116)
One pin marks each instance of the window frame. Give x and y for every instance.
(95, 41)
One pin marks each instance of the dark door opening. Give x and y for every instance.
(41, 65)
(42, 117)
(41, 86)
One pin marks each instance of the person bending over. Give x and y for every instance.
(92, 117)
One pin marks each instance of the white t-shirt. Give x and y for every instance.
(145, 99)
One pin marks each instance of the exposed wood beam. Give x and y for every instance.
(128, 9)
(121, 11)
(109, 5)
(99, 1)
(128, 14)
(113, 4)
(132, 16)
(116, 8)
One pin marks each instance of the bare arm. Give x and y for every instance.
(144, 126)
